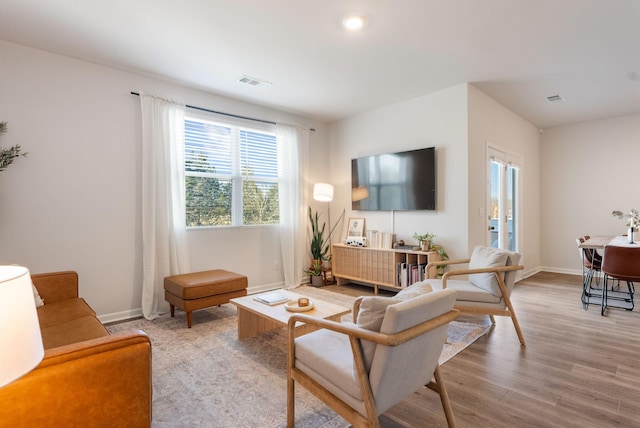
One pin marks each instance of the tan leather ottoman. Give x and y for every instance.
(199, 290)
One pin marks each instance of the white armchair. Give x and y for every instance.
(487, 290)
(362, 369)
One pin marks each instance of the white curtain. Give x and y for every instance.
(293, 143)
(164, 246)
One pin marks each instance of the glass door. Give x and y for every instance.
(503, 202)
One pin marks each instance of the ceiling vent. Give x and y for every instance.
(555, 98)
(252, 81)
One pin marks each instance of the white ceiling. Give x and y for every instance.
(517, 51)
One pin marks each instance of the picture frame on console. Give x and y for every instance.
(356, 227)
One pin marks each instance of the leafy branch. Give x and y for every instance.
(7, 156)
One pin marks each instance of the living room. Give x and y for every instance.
(74, 202)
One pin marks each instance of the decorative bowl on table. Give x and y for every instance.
(293, 306)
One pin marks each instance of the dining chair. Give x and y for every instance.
(621, 264)
(491, 276)
(361, 369)
(591, 266)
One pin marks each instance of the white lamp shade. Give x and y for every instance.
(323, 192)
(21, 347)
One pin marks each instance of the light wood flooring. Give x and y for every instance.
(579, 369)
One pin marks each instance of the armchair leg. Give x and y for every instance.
(512, 314)
(493, 319)
(444, 398)
(291, 399)
(517, 326)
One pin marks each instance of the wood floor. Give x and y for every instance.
(579, 369)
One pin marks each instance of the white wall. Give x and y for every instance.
(491, 122)
(74, 203)
(439, 120)
(588, 170)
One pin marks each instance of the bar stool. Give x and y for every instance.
(622, 264)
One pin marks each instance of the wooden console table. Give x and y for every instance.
(377, 266)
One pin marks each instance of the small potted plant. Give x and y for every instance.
(424, 239)
(315, 271)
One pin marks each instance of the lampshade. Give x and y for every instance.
(21, 347)
(323, 192)
(359, 193)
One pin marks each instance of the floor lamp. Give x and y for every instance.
(21, 348)
(323, 192)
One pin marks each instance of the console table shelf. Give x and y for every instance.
(377, 266)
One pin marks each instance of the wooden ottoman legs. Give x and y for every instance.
(172, 308)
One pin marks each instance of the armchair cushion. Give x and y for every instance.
(370, 316)
(467, 292)
(332, 366)
(487, 257)
(414, 290)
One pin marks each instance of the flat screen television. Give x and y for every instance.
(395, 181)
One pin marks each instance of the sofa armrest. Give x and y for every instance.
(95, 383)
(56, 286)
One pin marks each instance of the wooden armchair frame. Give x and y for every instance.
(356, 334)
(498, 272)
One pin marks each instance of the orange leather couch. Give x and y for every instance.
(87, 378)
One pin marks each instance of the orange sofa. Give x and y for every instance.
(88, 378)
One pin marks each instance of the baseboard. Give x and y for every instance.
(561, 270)
(120, 316)
(265, 287)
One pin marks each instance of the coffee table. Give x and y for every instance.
(255, 317)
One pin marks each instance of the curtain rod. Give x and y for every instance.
(226, 114)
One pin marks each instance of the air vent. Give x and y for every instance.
(555, 98)
(248, 80)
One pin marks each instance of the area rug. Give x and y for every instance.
(206, 377)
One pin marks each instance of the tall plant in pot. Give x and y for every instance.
(319, 242)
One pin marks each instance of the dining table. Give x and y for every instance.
(599, 242)
(624, 299)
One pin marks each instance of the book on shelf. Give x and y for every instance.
(402, 275)
(271, 299)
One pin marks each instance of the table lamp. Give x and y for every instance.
(21, 347)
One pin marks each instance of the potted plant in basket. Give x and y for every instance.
(425, 240)
(315, 271)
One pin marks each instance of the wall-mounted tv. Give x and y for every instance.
(395, 181)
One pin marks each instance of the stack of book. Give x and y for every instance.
(272, 298)
(410, 273)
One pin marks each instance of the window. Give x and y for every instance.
(231, 174)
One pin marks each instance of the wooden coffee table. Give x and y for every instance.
(255, 317)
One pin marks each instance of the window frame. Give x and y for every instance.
(236, 177)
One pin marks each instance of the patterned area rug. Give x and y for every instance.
(206, 377)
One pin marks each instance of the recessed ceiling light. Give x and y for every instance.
(354, 22)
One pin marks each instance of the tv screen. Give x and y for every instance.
(395, 181)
